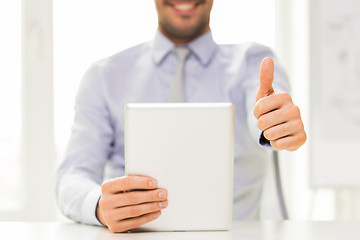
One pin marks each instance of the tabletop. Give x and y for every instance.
(247, 230)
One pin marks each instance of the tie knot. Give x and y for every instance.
(182, 53)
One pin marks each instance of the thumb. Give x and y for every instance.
(266, 78)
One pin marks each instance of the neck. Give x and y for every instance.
(184, 40)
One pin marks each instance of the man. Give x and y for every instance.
(212, 73)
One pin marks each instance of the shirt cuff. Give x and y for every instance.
(263, 141)
(88, 209)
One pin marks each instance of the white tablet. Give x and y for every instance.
(189, 149)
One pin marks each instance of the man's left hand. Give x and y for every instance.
(277, 116)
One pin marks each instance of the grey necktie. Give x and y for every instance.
(177, 88)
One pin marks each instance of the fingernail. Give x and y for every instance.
(152, 183)
(161, 194)
(163, 204)
(157, 214)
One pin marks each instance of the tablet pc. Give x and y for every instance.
(189, 149)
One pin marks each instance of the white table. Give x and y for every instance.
(288, 230)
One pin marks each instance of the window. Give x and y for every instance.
(10, 104)
(235, 21)
(85, 31)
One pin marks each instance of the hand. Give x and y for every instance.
(125, 205)
(277, 115)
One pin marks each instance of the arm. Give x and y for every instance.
(80, 175)
(81, 193)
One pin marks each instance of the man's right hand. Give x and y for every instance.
(125, 205)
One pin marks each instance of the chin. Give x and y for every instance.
(186, 31)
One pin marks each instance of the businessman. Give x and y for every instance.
(244, 74)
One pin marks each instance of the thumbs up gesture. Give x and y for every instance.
(276, 114)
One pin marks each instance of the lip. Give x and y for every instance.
(184, 8)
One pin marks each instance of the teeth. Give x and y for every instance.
(184, 6)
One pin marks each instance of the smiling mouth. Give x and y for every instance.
(185, 7)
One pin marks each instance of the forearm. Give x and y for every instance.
(77, 196)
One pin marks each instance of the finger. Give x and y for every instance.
(266, 78)
(135, 210)
(131, 223)
(137, 197)
(279, 116)
(271, 103)
(128, 183)
(271, 119)
(283, 130)
(290, 143)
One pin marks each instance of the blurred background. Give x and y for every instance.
(46, 46)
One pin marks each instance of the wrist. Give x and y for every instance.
(99, 215)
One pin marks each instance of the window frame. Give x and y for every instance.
(37, 137)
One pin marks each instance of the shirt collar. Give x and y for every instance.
(161, 47)
(203, 47)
